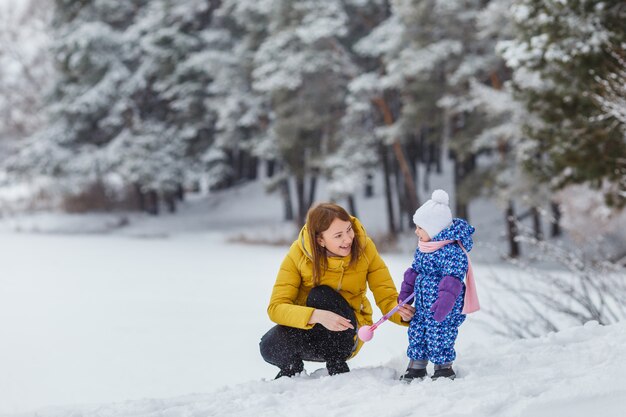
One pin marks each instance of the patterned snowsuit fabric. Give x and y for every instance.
(428, 339)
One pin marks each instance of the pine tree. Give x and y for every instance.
(350, 166)
(559, 50)
(91, 56)
(25, 72)
(304, 68)
(137, 95)
(165, 114)
(428, 54)
(240, 112)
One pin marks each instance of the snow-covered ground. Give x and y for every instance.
(564, 374)
(163, 317)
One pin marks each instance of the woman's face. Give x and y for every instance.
(337, 239)
(421, 234)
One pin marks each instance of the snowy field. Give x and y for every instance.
(146, 322)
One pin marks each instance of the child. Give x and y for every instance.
(437, 276)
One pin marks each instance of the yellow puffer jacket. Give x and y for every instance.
(295, 280)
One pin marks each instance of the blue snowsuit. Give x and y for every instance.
(428, 339)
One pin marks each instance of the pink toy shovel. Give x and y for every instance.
(367, 332)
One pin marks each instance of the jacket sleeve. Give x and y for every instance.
(282, 308)
(380, 282)
(408, 284)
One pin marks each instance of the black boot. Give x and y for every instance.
(412, 373)
(290, 370)
(444, 373)
(336, 367)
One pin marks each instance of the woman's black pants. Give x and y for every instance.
(286, 347)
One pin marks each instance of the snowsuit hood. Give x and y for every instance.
(459, 230)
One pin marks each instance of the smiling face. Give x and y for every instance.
(337, 239)
(421, 234)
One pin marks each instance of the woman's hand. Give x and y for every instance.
(406, 312)
(330, 320)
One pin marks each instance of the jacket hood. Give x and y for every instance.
(459, 230)
(304, 242)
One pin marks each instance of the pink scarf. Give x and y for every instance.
(470, 304)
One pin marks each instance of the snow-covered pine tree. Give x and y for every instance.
(240, 112)
(357, 156)
(610, 95)
(91, 56)
(559, 49)
(167, 122)
(25, 68)
(139, 96)
(349, 167)
(304, 68)
(421, 46)
(481, 100)
(473, 61)
(248, 23)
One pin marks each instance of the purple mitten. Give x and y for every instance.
(449, 290)
(408, 284)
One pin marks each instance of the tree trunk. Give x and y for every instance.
(460, 207)
(556, 222)
(252, 167)
(270, 167)
(411, 190)
(352, 206)
(413, 153)
(514, 249)
(461, 210)
(286, 194)
(402, 204)
(300, 201)
(409, 184)
(461, 170)
(369, 186)
(231, 179)
(180, 192)
(436, 154)
(536, 223)
(141, 200)
(312, 190)
(391, 222)
(170, 202)
(430, 162)
(152, 202)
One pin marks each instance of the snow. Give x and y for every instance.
(163, 315)
(514, 382)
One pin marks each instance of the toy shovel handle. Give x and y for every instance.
(386, 316)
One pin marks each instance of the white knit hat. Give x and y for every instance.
(434, 215)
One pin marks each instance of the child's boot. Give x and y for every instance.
(443, 371)
(415, 370)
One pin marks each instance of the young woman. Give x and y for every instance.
(319, 298)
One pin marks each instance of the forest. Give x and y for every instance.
(116, 105)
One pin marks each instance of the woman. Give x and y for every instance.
(319, 298)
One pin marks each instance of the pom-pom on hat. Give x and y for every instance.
(434, 215)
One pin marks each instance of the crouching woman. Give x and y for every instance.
(319, 298)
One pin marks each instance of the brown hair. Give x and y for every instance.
(318, 220)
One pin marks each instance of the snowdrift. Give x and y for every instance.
(576, 372)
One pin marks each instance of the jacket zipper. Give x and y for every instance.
(340, 278)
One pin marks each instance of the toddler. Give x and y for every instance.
(443, 295)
